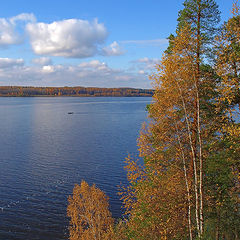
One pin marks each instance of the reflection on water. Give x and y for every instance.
(45, 151)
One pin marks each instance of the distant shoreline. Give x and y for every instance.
(74, 96)
(28, 91)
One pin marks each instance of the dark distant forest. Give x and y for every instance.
(19, 91)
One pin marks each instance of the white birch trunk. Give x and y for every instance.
(194, 164)
(187, 185)
(200, 161)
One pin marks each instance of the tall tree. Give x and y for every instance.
(179, 127)
(223, 165)
(203, 17)
(190, 147)
(168, 150)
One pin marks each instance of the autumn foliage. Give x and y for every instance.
(89, 213)
(186, 184)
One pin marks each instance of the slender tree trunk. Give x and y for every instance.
(198, 114)
(186, 182)
(198, 134)
(200, 162)
(194, 163)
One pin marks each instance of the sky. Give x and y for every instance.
(91, 43)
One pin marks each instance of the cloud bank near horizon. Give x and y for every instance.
(90, 73)
(71, 39)
(10, 63)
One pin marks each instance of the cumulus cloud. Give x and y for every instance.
(9, 63)
(8, 33)
(71, 38)
(42, 61)
(113, 50)
(68, 38)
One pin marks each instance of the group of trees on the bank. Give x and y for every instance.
(19, 91)
(189, 184)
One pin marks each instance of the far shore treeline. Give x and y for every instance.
(20, 91)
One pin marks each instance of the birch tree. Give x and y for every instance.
(179, 126)
(168, 188)
(90, 218)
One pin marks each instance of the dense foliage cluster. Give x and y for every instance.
(189, 184)
(88, 209)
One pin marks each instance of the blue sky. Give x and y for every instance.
(103, 43)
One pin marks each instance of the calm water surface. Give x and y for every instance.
(44, 151)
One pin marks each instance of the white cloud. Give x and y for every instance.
(91, 64)
(146, 63)
(93, 73)
(48, 69)
(96, 69)
(8, 33)
(42, 61)
(113, 50)
(143, 60)
(152, 42)
(68, 38)
(27, 17)
(141, 72)
(94, 65)
(144, 66)
(71, 38)
(9, 63)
